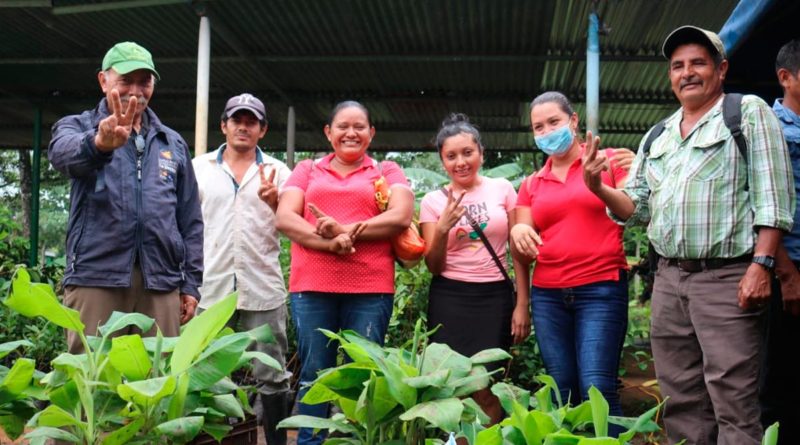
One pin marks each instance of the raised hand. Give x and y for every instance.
(267, 191)
(594, 163)
(452, 212)
(526, 240)
(113, 131)
(327, 227)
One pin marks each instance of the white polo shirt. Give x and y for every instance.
(240, 246)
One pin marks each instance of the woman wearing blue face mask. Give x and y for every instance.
(579, 295)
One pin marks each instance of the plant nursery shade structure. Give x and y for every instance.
(411, 62)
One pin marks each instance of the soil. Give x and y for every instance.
(4, 440)
(639, 392)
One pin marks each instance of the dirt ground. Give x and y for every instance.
(638, 394)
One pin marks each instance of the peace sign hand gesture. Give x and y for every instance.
(452, 212)
(594, 163)
(267, 191)
(342, 244)
(327, 226)
(113, 131)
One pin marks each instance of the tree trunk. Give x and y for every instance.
(25, 177)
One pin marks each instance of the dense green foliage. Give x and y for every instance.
(126, 389)
(541, 420)
(45, 340)
(402, 395)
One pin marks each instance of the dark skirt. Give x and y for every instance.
(474, 316)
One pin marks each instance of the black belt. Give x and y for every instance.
(706, 264)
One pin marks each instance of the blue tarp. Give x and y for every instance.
(743, 19)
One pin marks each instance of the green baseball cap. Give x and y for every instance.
(125, 57)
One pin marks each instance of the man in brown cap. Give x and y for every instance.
(716, 209)
(135, 235)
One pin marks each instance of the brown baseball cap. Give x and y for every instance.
(692, 34)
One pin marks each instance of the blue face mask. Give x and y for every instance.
(556, 142)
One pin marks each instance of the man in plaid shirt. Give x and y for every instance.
(716, 219)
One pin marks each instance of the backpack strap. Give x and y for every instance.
(732, 116)
(654, 134)
(652, 255)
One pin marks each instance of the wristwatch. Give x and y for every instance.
(766, 261)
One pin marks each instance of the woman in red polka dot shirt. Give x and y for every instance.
(342, 271)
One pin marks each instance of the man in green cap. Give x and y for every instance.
(135, 234)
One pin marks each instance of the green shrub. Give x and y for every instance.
(399, 395)
(126, 389)
(46, 340)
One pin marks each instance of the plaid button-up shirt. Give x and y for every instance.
(693, 192)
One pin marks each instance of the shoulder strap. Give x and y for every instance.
(652, 255)
(732, 116)
(654, 134)
(477, 228)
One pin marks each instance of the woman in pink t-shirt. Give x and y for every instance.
(579, 297)
(469, 295)
(342, 270)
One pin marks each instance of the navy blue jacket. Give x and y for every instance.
(115, 217)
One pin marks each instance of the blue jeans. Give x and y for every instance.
(580, 331)
(367, 314)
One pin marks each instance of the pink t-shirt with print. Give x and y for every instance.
(347, 199)
(488, 204)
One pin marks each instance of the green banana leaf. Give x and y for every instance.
(129, 356)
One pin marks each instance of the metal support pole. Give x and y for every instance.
(593, 74)
(203, 73)
(36, 176)
(290, 134)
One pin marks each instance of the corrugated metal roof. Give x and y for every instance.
(410, 61)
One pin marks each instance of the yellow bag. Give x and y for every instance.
(408, 246)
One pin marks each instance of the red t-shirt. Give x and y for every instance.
(581, 244)
(347, 199)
